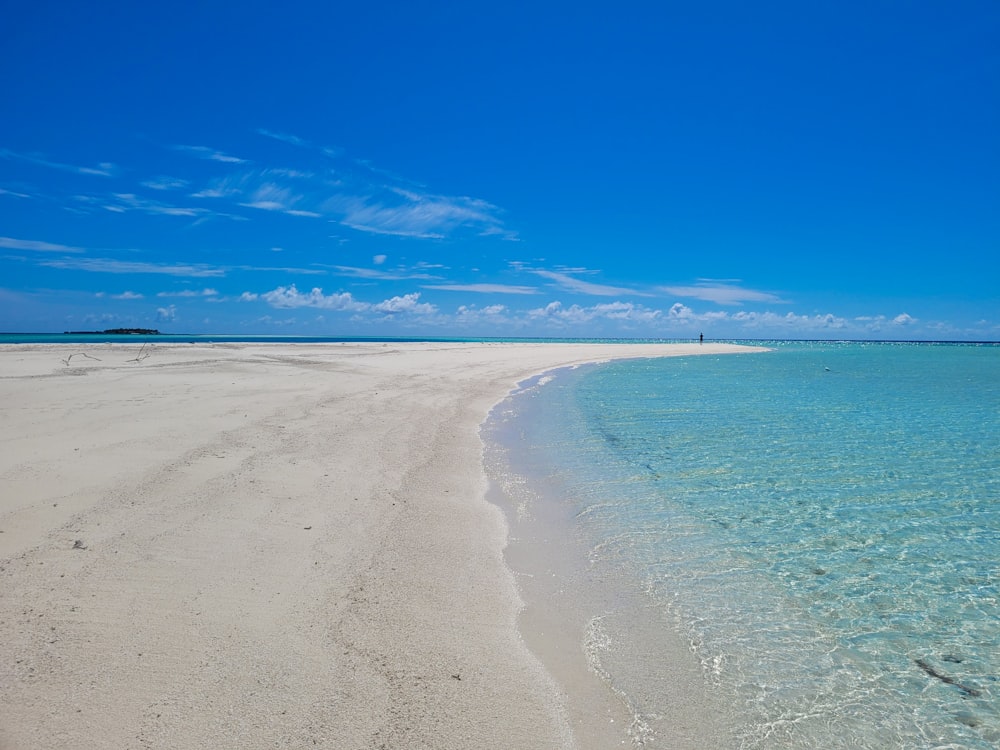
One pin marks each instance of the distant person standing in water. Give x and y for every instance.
(701, 338)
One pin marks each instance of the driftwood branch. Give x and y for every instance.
(143, 354)
(77, 354)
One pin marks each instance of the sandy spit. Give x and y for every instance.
(267, 546)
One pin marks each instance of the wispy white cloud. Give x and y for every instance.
(37, 246)
(259, 190)
(566, 280)
(127, 295)
(14, 194)
(203, 152)
(379, 172)
(282, 269)
(109, 265)
(376, 273)
(165, 183)
(378, 260)
(406, 213)
(295, 140)
(270, 197)
(484, 288)
(295, 174)
(722, 293)
(104, 169)
(130, 201)
(207, 292)
(225, 187)
(284, 137)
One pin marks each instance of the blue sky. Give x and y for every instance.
(745, 170)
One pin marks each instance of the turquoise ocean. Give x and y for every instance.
(818, 523)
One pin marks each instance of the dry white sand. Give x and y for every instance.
(280, 546)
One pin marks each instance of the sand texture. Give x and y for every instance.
(266, 546)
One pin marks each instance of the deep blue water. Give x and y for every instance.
(226, 338)
(820, 522)
(230, 338)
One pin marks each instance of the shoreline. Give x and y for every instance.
(581, 619)
(266, 544)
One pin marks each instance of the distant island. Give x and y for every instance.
(117, 332)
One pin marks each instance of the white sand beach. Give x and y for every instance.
(270, 545)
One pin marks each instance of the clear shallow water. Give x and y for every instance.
(821, 523)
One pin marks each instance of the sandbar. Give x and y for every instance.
(269, 545)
